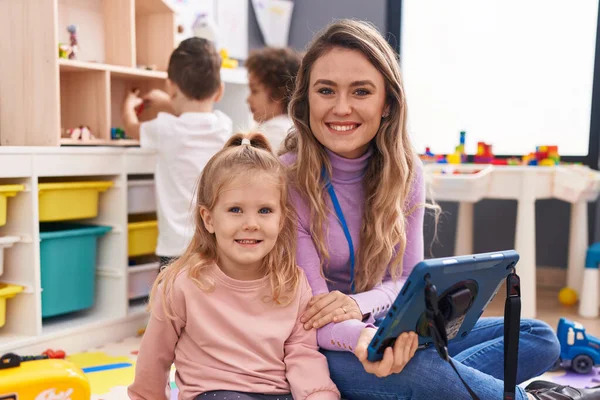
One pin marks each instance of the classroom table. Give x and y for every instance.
(469, 183)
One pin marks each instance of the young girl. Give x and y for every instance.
(227, 312)
(360, 196)
(271, 74)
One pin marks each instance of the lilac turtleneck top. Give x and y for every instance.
(347, 177)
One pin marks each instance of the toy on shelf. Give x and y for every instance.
(118, 133)
(82, 132)
(72, 29)
(567, 297)
(578, 350)
(545, 156)
(151, 67)
(227, 62)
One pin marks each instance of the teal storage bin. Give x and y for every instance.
(68, 266)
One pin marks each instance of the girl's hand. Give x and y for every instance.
(394, 358)
(330, 307)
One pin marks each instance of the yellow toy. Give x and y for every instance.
(41, 379)
(227, 62)
(567, 297)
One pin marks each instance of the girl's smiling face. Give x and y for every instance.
(246, 220)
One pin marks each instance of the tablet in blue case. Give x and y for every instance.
(465, 286)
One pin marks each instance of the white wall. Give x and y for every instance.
(512, 73)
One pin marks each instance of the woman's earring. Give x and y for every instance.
(385, 115)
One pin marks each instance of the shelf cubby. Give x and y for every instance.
(104, 29)
(84, 101)
(154, 33)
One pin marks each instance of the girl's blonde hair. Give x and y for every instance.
(391, 171)
(234, 160)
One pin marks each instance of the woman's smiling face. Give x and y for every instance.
(346, 101)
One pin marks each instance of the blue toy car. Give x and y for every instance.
(578, 350)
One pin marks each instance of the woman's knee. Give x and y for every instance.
(544, 336)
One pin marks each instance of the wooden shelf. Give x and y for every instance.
(152, 7)
(99, 142)
(66, 65)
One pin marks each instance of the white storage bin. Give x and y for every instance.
(458, 182)
(5, 242)
(141, 279)
(141, 197)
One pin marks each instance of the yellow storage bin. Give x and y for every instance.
(142, 238)
(7, 291)
(42, 379)
(63, 201)
(7, 191)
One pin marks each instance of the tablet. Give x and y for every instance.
(465, 286)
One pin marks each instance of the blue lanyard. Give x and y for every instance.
(340, 215)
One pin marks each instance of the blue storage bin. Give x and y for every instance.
(68, 266)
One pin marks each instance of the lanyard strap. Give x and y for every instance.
(342, 220)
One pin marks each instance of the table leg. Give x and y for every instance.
(525, 245)
(464, 229)
(578, 244)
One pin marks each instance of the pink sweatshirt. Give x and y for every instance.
(231, 339)
(347, 181)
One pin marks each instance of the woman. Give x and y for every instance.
(361, 231)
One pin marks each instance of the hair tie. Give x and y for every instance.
(246, 141)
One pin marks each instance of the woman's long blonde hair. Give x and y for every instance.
(233, 160)
(391, 171)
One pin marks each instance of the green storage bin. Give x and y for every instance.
(68, 266)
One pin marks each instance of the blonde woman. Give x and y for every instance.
(359, 195)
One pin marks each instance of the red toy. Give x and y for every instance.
(54, 354)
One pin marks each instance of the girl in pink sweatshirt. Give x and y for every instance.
(227, 313)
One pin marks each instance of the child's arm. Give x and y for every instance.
(130, 119)
(157, 350)
(306, 368)
(160, 101)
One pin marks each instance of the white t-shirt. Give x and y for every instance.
(276, 129)
(184, 145)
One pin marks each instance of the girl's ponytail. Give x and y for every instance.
(256, 140)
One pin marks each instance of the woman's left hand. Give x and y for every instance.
(330, 307)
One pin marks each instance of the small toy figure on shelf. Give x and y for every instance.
(64, 50)
(81, 132)
(118, 133)
(150, 67)
(72, 29)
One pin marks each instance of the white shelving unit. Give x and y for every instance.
(112, 317)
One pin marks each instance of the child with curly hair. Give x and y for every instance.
(271, 76)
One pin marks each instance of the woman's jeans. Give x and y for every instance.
(479, 359)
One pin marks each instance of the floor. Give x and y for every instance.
(110, 382)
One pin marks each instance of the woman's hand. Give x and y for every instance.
(330, 307)
(394, 358)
